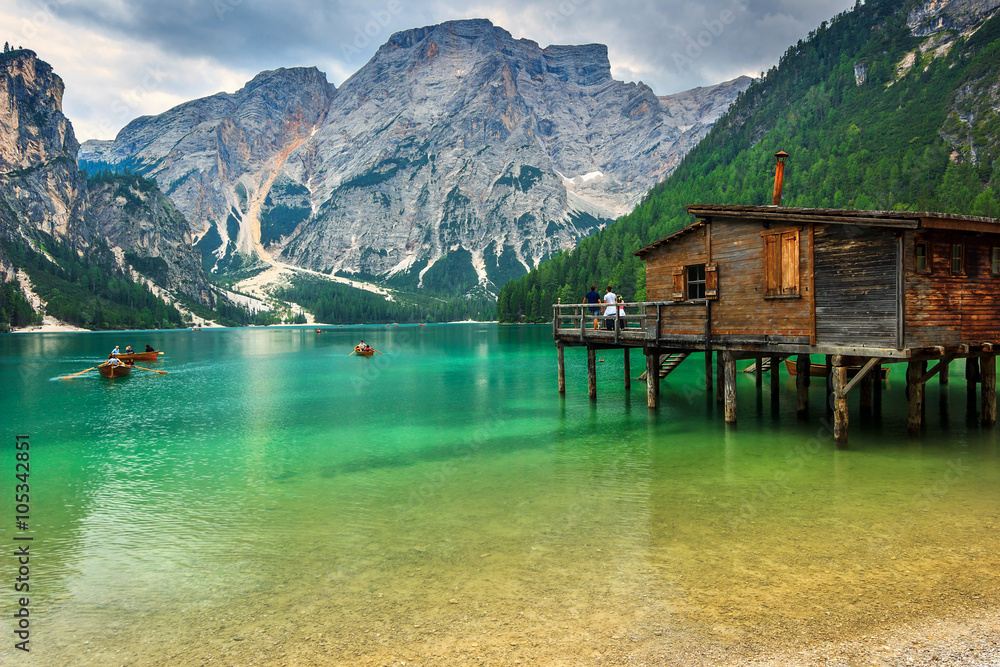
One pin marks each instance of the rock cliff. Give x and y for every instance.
(456, 148)
(44, 194)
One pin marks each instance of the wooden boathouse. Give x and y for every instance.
(852, 289)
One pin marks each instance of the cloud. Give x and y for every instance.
(121, 59)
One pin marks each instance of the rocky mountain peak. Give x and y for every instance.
(33, 128)
(457, 155)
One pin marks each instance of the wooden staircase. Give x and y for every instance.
(668, 362)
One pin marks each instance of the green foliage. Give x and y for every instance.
(452, 273)
(280, 221)
(880, 145)
(90, 290)
(334, 303)
(15, 311)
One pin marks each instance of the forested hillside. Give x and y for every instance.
(872, 116)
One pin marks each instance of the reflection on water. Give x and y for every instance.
(273, 498)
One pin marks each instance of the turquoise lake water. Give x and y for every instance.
(272, 500)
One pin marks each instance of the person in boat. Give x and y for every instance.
(611, 304)
(128, 349)
(113, 360)
(116, 350)
(149, 348)
(130, 362)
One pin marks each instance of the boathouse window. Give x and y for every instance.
(957, 259)
(922, 257)
(696, 282)
(781, 262)
(995, 262)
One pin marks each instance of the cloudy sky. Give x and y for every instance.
(126, 58)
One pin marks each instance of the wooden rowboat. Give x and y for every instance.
(361, 352)
(111, 372)
(819, 370)
(139, 356)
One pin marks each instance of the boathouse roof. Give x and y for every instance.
(786, 214)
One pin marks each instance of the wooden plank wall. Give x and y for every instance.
(946, 309)
(738, 249)
(855, 286)
(685, 319)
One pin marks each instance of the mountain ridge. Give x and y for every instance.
(455, 143)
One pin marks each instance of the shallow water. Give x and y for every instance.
(272, 499)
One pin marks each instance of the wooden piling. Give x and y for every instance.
(562, 368)
(971, 378)
(943, 375)
(838, 376)
(709, 371)
(652, 377)
(877, 392)
(729, 364)
(775, 380)
(866, 390)
(915, 395)
(628, 370)
(988, 383)
(759, 370)
(720, 377)
(802, 384)
(829, 384)
(591, 372)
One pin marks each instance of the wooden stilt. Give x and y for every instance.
(802, 384)
(729, 364)
(775, 380)
(943, 376)
(759, 370)
(652, 377)
(988, 381)
(562, 368)
(829, 384)
(720, 379)
(709, 371)
(591, 372)
(971, 378)
(877, 391)
(628, 370)
(866, 391)
(915, 395)
(838, 376)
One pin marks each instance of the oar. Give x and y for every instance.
(352, 353)
(66, 377)
(376, 350)
(150, 369)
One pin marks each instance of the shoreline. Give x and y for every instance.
(50, 325)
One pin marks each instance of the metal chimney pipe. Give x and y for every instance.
(779, 176)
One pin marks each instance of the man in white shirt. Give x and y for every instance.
(611, 301)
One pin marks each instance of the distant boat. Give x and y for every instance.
(819, 370)
(111, 372)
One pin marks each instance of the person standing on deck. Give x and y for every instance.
(611, 301)
(593, 297)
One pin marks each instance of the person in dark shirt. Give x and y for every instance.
(149, 348)
(593, 297)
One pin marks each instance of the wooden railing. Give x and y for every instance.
(642, 320)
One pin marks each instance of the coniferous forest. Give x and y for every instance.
(862, 133)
